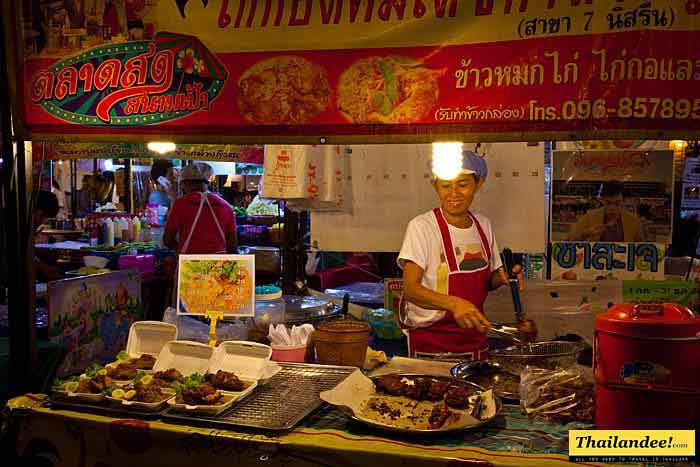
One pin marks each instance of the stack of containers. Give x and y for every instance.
(646, 365)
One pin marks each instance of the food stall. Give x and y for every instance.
(299, 73)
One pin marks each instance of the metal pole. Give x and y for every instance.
(16, 190)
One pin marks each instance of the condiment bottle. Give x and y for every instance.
(109, 228)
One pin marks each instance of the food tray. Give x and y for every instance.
(103, 408)
(284, 401)
(448, 429)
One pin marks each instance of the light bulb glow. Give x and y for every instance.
(447, 160)
(161, 147)
(678, 145)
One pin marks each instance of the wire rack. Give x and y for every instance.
(284, 401)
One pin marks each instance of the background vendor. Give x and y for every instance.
(450, 261)
(611, 222)
(200, 222)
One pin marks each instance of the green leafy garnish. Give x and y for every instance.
(123, 355)
(192, 381)
(93, 369)
(390, 85)
(58, 383)
(139, 374)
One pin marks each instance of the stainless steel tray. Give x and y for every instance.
(286, 399)
(499, 406)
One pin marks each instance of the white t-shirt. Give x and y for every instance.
(423, 246)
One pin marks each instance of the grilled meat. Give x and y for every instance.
(94, 385)
(390, 384)
(457, 397)
(170, 376)
(437, 390)
(144, 362)
(439, 416)
(149, 393)
(225, 380)
(123, 372)
(204, 394)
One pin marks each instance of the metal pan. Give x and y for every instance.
(448, 429)
(489, 375)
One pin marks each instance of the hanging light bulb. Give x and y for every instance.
(161, 147)
(678, 145)
(447, 160)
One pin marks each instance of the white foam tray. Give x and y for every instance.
(247, 360)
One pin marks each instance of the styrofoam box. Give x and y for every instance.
(187, 357)
(143, 406)
(228, 397)
(249, 361)
(149, 337)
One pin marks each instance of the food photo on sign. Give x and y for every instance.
(216, 283)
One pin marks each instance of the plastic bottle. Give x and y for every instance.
(124, 227)
(109, 228)
(117, 231)
(129, 229)
(145, 230)
(136, 229)
(93, 235)
(101, 232)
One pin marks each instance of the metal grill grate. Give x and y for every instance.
(284, 401)
(541, 349)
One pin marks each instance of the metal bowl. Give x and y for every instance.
(489, 375)
(549, 355)
(309, 309)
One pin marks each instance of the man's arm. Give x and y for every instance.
(464, 312)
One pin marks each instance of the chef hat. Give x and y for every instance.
(197, 171)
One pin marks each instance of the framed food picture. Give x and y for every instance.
(216, 284)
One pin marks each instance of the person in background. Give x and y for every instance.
(162, 176)
(45, 207)
(610, 223)
(200, 222)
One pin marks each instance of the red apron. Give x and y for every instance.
(444, 339)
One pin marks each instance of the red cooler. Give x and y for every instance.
(646, 364)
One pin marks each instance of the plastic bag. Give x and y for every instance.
(558, 396)
(191, 329)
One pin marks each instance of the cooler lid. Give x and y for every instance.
(149, 337)
(650, 320)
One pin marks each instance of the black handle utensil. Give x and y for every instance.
(508, 263)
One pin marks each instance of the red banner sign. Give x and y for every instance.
(415, 70)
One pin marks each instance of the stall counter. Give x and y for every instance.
(327, 437)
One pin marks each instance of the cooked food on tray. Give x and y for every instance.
(214, 285)
(122, 372)
(225, 381)
(196, 391)
(457, 397)
(144, 362)
(439, 416)
(408, 414)
(144, 390)
(417, 402)
(283, 90)
(391, 89)
(91, 385)
(167, 377)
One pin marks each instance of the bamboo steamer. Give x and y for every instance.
(341, 342)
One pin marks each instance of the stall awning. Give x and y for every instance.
(316, 71)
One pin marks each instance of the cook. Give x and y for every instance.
(450, 261)
(200, 222)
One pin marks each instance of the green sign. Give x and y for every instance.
(684, 292)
